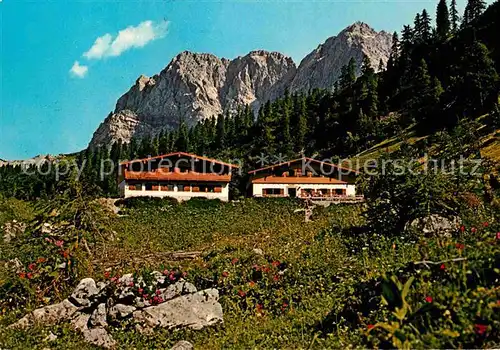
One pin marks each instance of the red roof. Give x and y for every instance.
(302, 159)
(173, 176)
(184, 154)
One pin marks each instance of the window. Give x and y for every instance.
(149, 186)
(135, 187)
(273, 191)
(167, 187)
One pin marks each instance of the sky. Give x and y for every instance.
(64, 63)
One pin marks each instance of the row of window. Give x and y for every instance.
(180, 188)
(306, 192)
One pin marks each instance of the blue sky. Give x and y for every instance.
(47, 109)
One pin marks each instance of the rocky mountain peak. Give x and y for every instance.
(195, 86)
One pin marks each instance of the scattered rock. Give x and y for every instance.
(12, 229)
(91, 305)
(177, 289)
(193, 311)
(84, 292)
(120, 311)
(99, 337)
(98, 318)
(435, 225)
(258, 251)
(47, 315)
(80, 322)
(182, 345)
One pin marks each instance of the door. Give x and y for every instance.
(292, 192)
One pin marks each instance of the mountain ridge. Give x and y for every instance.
(196, 86)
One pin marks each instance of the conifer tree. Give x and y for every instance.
(442, 20)
(454, 18)
(381, 66)
(301, 133)
(473, 10)
(351, 71)
(220, 137)
(421, 90)
(287, 138)
(133, 148)
(182, 141)
(476, 90)
(426, 28)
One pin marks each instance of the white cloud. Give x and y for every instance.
(79, 70)
(128, 38)
(101, 45)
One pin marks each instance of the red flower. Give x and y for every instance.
(114, 279)
(370, 326)
(184, 274)
(166, 272)
(265, 269)
(462, 228)
(442, 267)
(140, 290)
(256, 267)
(22, 275)
(225, 274)
(428, 299)
(276, 278)
(29, 275)
(259, 307)
(41, 260)
(459, 246)
(485, 224)
(251, 284)
(107, 274)
(498, 235)
(32, 266)
(158, 292)
(145, 296)
(131, 284)
(171, 277)
(234, 261)
(284, 306)
(241, 293)
(59, 243)
(276, 263)
(473, 230)
(480, 328)
(65, 254)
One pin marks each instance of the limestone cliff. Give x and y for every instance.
(197, 86)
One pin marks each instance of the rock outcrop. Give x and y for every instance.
(197, 86)
(322, 67)
(435, 225)
(93, 307)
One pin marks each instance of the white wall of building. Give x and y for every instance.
(258, 188)
(179, 195)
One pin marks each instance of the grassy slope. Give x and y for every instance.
(490, 147)
(323, 268)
